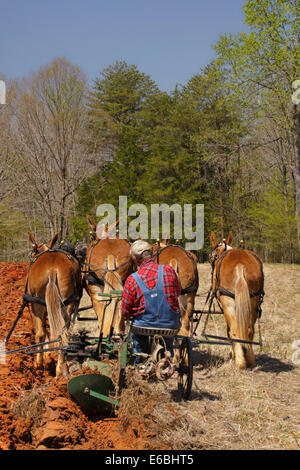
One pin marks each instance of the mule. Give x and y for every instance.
(184, 263)
(107, 265)
(238, 285)
(53, 287)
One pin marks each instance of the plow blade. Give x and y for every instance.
(92, 391)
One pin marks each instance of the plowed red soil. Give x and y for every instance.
(36, 410)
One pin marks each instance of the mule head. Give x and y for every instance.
(165, 242)
(101, 231)
(38, 248)
(155, 246)
(219, 248)
(107, 231)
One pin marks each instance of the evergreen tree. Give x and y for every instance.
(115, 102)
(115, 107)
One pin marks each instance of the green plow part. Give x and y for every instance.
(95, 391)
(112, 293)
(92, 391)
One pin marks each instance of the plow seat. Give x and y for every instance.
(147, 331)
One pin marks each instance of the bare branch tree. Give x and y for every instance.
(51, 141)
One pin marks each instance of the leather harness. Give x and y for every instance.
(28, 298)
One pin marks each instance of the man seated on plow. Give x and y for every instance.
(150, 297)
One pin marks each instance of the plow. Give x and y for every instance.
(109, 358)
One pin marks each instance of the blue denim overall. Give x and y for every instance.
(157, 314)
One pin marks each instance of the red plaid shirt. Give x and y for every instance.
(133, 302)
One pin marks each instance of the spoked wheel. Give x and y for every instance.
(185, 369)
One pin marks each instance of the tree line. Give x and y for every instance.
(229, 139)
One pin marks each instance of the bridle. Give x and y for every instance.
(37, 250)
(215, 253)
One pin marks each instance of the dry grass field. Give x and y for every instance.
(255, 409)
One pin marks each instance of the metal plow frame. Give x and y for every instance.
(217, 340)
(100, 390)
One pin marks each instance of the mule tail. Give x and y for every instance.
(242, 304)
(182, 298)
(186, 305)
(174, 264)
(56, 312)
(112, 281)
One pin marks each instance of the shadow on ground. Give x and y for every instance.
(272, 364)
(205, 359)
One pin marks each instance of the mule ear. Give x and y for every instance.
(112, 228)
(91, 222)
(213, 240)
(229, 239)
(32, 241)
(100, 231)
(52, 242)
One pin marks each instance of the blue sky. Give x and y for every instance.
(168, 39)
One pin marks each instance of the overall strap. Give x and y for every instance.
(144, 288)
(160, 280)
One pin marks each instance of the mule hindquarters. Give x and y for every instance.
(54, 279)
(240, 315)
(187, 273)
(40, 332)
(186, 305)
(108, 310)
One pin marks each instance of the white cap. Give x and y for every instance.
(138, 247)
